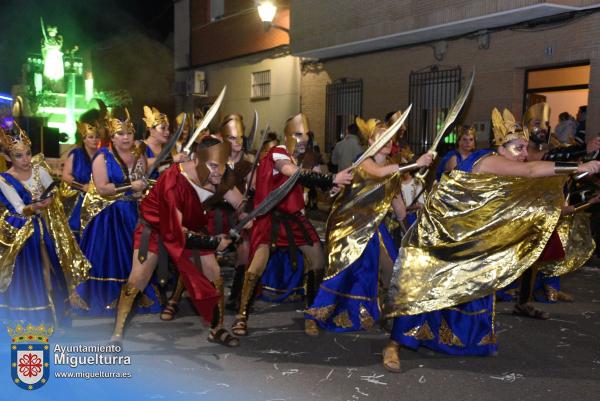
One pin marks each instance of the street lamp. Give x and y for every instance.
(267, 11)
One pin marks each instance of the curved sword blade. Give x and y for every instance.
(383, 139)
(210, 114)
(268, 203)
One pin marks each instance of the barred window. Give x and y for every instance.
(261, 84)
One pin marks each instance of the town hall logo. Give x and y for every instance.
(30, 355)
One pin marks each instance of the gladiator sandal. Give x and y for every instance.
(217, 334)
(126, 300)
(391, 357)
(168, 313)
(312, 282)
(240, 326)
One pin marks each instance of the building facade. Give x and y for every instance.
(222, 42)
(371, 57)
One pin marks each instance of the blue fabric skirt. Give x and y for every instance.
(27, 300)
(107, 243)
(467, 329)
(348, 301)
(281, 282)
(75, 218)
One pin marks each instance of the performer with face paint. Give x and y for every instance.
(40, 262)
(224, 207)
(476, 234)
(286, 225)
(360, 249)
(172, 217)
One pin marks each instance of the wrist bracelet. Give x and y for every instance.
(565, 167)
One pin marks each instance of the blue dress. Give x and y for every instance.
(149, 155)
(444, 160)
(349, 300)
(27, 299)
(82, 172)
(107, 242)
(466, 329)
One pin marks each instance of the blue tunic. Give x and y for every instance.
(466, 329)
(445, 159)
(82, 172)
(150, 155)
(281, 281)
(107, 242)
(348, 301)
(27, 298)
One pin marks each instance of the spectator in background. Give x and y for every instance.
(348, 149)
(566, 128)
(581, 117)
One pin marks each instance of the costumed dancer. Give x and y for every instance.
(360, 249)
(224, 207)
(158, 135)
(108, 219)
(466, 146)
(172, 219)
(286, 225)
(77, 170)
(477, 233)
(40, 262)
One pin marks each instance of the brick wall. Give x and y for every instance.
(500, 71)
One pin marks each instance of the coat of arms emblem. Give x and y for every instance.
(30, 355)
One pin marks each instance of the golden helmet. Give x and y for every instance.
(153, 117)
(233, 126)
(506, 128)
(14, 140)
(116, 125)
(371, 128)
(296, 131)
(213, 149)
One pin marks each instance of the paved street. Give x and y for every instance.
(552, 360)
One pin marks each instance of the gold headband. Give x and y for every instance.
(115, 125)
(153, 117)
(15, 140)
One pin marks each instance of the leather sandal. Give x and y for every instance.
(168, 313)
(240, 327)
(222, 336)
(310, 328)
(529, 310)
(391, 357)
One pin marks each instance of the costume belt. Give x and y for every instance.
(285, 219)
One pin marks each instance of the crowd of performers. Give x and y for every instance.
(124, 227)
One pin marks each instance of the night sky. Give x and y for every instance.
(81, 22)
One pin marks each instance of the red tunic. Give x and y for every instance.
(173, 192)
(293, 203)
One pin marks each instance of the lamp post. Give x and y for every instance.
(267, 11)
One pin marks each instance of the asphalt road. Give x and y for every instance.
(557, 359)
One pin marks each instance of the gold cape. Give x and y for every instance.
(355, 216)
(94, 203)
(576, 236)
(477, 233)
(74, 265)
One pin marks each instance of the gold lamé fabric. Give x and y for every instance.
(477, 233)
(12, 240)
(94, 203)
(68, 197)
(355, 215)
(74, 265)
(576, 236)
